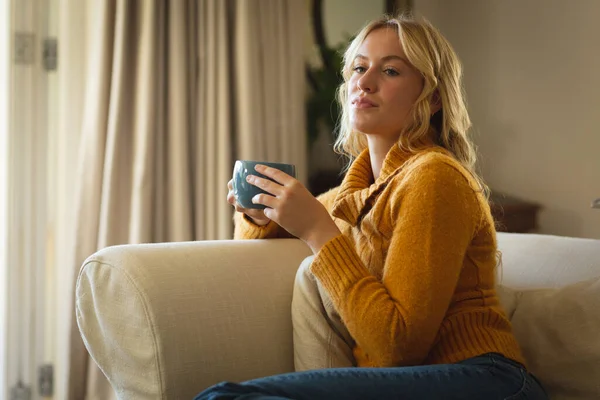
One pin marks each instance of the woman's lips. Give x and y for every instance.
(363, 103)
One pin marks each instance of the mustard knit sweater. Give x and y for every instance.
(413, 272)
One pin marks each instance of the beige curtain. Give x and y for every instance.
(269, 44)
(175, 91)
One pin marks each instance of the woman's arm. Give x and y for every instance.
(395, 320)
(246, 229)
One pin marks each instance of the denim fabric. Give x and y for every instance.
(487, 377)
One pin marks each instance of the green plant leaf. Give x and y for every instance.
(322, 108)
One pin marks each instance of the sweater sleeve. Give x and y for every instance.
(395, 320)
(246, 229)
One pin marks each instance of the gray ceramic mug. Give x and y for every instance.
(244, 191)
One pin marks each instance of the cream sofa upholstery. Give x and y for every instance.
(164, 321)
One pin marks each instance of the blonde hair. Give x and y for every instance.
(433, 56)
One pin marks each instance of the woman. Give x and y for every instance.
(404, 250)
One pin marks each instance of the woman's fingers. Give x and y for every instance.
(265, 184)
(251, 212)
(231, 198)
(265, 199)
(275, 174)
(258, 216)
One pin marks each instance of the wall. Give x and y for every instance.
(531, 75)
(343, 18)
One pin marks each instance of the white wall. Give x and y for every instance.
(531, 75)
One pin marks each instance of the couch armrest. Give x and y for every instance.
(164, 321)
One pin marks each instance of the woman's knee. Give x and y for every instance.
(303, 275)
(306, 292)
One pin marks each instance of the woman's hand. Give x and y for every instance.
(257, 216)
(293, 207)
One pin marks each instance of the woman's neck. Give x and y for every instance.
(380, 146)
(378, 149)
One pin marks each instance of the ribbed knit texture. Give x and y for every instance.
(413, 272)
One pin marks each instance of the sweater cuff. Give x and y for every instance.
(246, 229)
(338, 267)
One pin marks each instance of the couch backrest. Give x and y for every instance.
(556, 327)
(536, 261)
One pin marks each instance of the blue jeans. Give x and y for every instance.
(490, 376)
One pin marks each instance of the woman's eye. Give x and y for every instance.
(391, 72)
(359, 69)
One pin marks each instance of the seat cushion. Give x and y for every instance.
(559, 331)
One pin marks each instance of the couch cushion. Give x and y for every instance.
(559, 331)
(532, 261)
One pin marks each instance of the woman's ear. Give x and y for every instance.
(436, 102)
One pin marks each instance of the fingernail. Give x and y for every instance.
(259, 167)
(249, 178)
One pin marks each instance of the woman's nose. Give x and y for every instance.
(367, 83)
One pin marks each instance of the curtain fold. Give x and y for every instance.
(269, 49)
(90, 172)
(175, 91)
(214, 116)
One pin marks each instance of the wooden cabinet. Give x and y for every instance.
(512, 214)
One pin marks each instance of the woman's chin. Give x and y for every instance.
(363, 126)
(365, 121)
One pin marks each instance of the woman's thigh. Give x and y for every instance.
(478, 378)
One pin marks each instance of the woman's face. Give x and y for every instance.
(383, 87)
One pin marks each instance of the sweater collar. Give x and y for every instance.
(358, 189)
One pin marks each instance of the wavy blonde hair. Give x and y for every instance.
(433, 56)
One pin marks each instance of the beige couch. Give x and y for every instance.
(164, 321)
